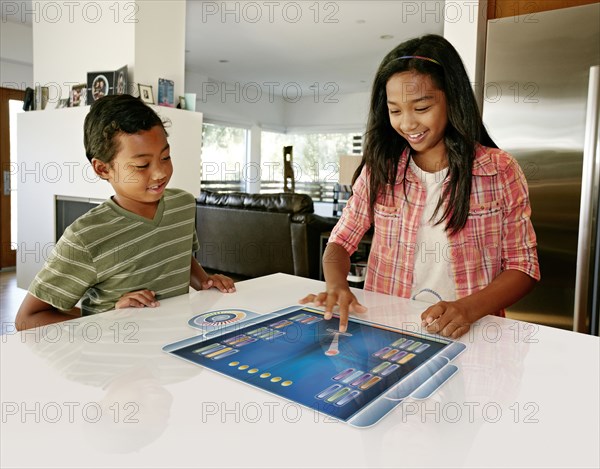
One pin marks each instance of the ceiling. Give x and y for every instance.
(337, 45)
(334, 44)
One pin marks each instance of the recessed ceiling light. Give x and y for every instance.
(386, 36)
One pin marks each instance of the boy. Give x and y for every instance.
(136, 247)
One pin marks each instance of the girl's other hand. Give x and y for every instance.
(448, 318)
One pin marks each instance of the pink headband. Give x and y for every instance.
(418, 57)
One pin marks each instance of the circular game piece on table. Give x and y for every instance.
(218, 318)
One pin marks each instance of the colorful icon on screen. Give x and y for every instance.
(329, 391)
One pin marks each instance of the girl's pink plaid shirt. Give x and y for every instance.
(498, 235)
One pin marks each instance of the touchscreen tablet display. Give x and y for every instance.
(302, 357)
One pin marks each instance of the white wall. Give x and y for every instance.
(465, 26)
(16, 42)
(15, 75)
(16, 55)
(160, 43)
(51, 161)
(71, 39)
(88, 37)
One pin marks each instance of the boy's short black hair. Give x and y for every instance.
(110, 116)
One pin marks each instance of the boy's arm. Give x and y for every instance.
(200, 280)
(35, 313)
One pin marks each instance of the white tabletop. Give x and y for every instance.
(100, 392)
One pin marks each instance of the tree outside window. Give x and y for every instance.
(223, 153)
(316, 156)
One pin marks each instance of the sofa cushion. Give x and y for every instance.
(280, 203)
(252, 235)
(245, 242)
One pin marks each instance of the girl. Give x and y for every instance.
(450, 210)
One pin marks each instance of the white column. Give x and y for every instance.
(465, 26)
(252, 170)
(71, 39)
(160, 43)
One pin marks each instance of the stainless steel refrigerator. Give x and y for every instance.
(541, 105)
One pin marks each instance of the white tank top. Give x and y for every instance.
(433, 278)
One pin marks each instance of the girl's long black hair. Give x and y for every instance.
(384, 146)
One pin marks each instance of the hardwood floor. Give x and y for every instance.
(10, 299)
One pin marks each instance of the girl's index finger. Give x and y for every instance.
(344, 313)
(347, 303)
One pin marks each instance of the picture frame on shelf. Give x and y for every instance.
(166, 92)
(181, 102)
(62, 102)
(121, 81)
(146, 93)
(105, 83)
(45, 94)
(78, 95)
(99, 85)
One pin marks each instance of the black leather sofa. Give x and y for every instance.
(251, 235)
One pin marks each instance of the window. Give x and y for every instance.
(224, 152)
(315, 161)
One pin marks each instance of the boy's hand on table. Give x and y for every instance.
(221, 282)
(342, 297)
(138, 299)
